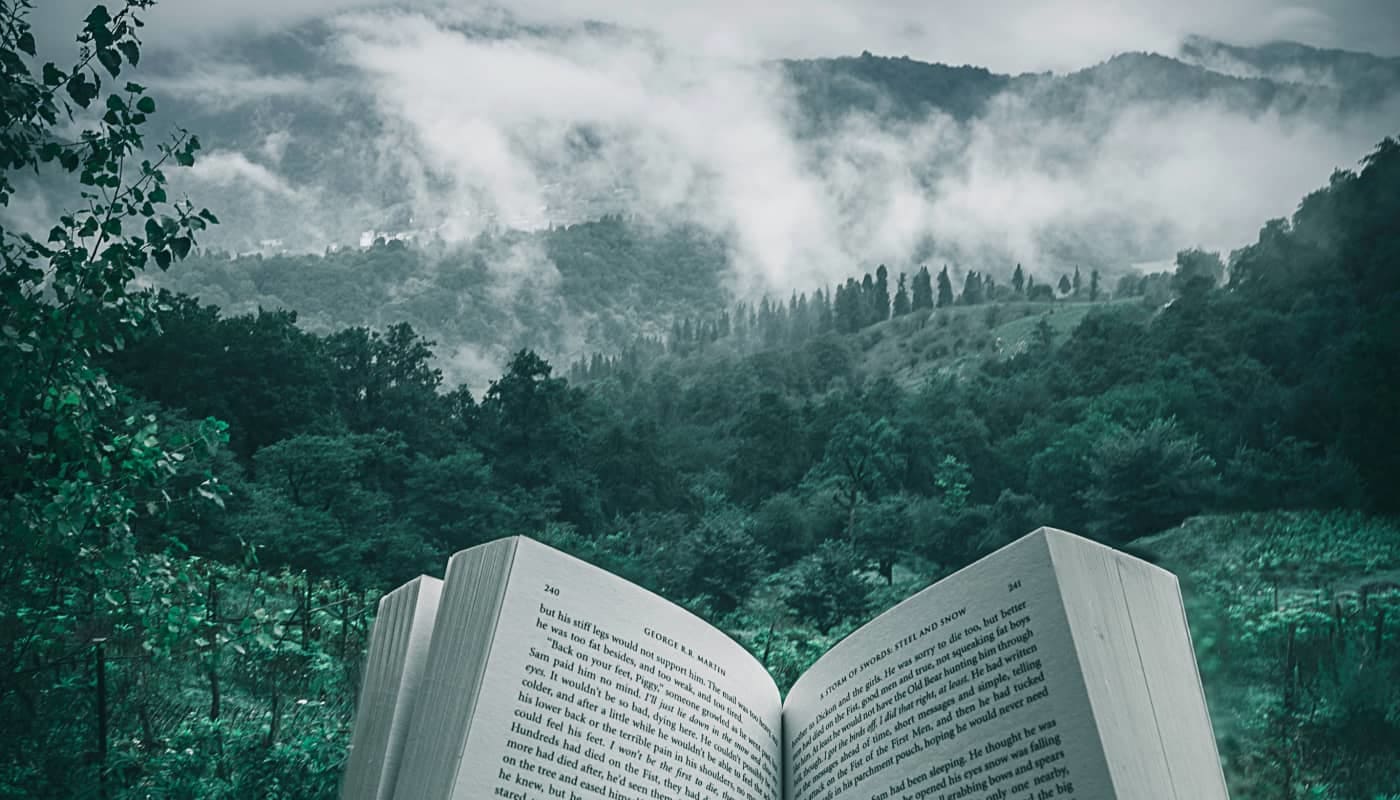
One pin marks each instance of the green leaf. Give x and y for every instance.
(53, 76)
(157, 195)
(26, 42)
(131, 51)
(98, 17)
(115, 102)
(81, 89)
(163, 259)
(146, 105)
(110, 59)
(181, 246)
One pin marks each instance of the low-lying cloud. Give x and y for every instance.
(447, 119)
(558, 125)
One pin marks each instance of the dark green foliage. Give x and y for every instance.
(262, 373)
(945, 288)
(829, 89)
(882, 533)
(923, 290)
(901, 299)
(827, 586)
(719, 560)
(880, 299)
(973, 293)
(530, 425)
(1197, 271)
(1144, 480)
(771, 451)
(95, 480)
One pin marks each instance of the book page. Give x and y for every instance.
(970, 690)
(597, 689)
(398, 650)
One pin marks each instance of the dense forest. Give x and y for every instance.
(200, 509)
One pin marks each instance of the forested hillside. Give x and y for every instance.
(616, 227)
(200, 507)
(561, 291)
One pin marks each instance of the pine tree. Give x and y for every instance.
(901, 298)
(825, 320)
(1064, 285)
(923, 290)
(882, 293)
(801, 319)
(767, 327)
(1094, 286)
(1018, 281)
(972, 288)
(945, 288)
(867, 301)
(1076, 284)
(848, 307)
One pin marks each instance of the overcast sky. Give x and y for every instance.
(1003, 35)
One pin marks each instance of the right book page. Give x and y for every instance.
(981, 687)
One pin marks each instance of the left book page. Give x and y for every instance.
(398, 650)
(556, 679)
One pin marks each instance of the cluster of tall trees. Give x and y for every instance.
(858, 304)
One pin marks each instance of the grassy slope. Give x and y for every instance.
(952, 340)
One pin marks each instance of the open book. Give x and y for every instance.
(1053, 668)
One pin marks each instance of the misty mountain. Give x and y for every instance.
(1362, 80)
(476, 146)
(896, 89)
(902, 89)
(311, 140)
